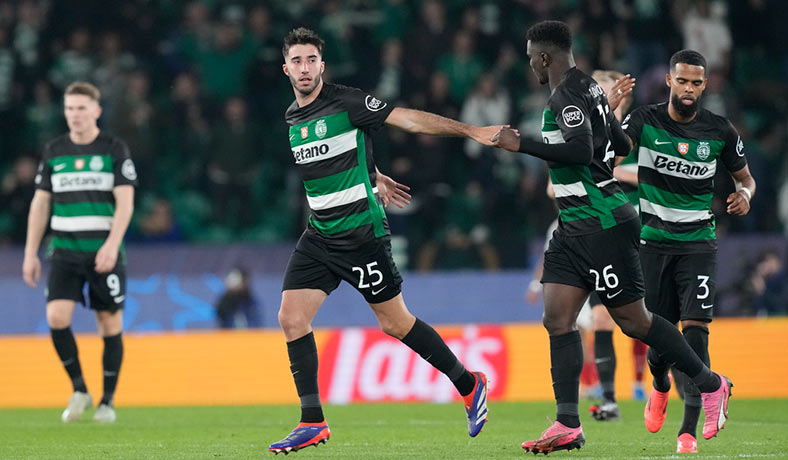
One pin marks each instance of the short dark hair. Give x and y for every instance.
(553, 32)
(690, 57)
(302, 36)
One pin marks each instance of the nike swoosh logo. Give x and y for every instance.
(59, 167)
(379, 290)
(662, 143)
(610, 296)
(292, 136)
(705, 307)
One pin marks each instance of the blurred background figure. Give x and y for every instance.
(237, 308)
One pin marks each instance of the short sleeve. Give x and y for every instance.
(733, 153)
(364, 110)
(633, 126)
(123, 165)
(572, 115)
(44, 175)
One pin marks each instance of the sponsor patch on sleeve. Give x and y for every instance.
(128, 170)
(573, 116)
(374, 104)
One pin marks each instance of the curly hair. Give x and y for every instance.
(690, 57)
(553, 32)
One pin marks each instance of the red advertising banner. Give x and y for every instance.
(367, 365)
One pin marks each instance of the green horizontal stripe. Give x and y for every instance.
(335, 182)
(571, 174)
(333, 125)
(342, 224)
(655, 234)
(675, 200)
(651, 134)
(83, 209)
(68, 163)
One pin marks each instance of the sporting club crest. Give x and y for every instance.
(683, 148)
(96, 163)
(703, 151)
(321, 129)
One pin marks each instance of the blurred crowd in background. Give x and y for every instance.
(197, 91)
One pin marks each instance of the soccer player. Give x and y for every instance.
(86, 179)
(596, 245)
(604, 352)
(347, 237)
(679, 146)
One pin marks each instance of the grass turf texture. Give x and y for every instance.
(757, 429)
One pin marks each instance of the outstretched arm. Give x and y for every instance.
(419, 122)
(577, 150)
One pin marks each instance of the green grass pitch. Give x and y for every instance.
(756, 429)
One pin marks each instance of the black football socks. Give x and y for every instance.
(66, 348)
(659, 370)
(303, 365)
(566, 363)
(426, 341)
(112, 358)
(605, 357)
(669, 344)
(698, 339)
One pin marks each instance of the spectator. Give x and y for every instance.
(237, 308)
(234, 167)
(158, 224)
(76, 63)
(16, 192)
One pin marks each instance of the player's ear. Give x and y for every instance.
(668, 79)
(546, 60)
(284, 69)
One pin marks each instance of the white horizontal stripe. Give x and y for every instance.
(553, 137)
(81, 224)
(629, 167)
(325, 148)
(675, 166)
(335, 199)
(83, 180)
(576, 189)
(605, 182)
(674, 215)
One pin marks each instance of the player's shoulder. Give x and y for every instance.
(716, 121)
(56, 146)
(652, 110)
(576, 88)
(113, 144)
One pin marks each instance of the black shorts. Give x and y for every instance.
(369, 268)
(594, 299)
(680, 286)
(106, 291)
(606, 262)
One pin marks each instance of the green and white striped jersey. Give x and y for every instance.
(332, 148)
(589, 198)
(81, 179)
(676, 167)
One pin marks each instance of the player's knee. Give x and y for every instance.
(393, 328)
(556, 324)
(56, 321)
(290, 320)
